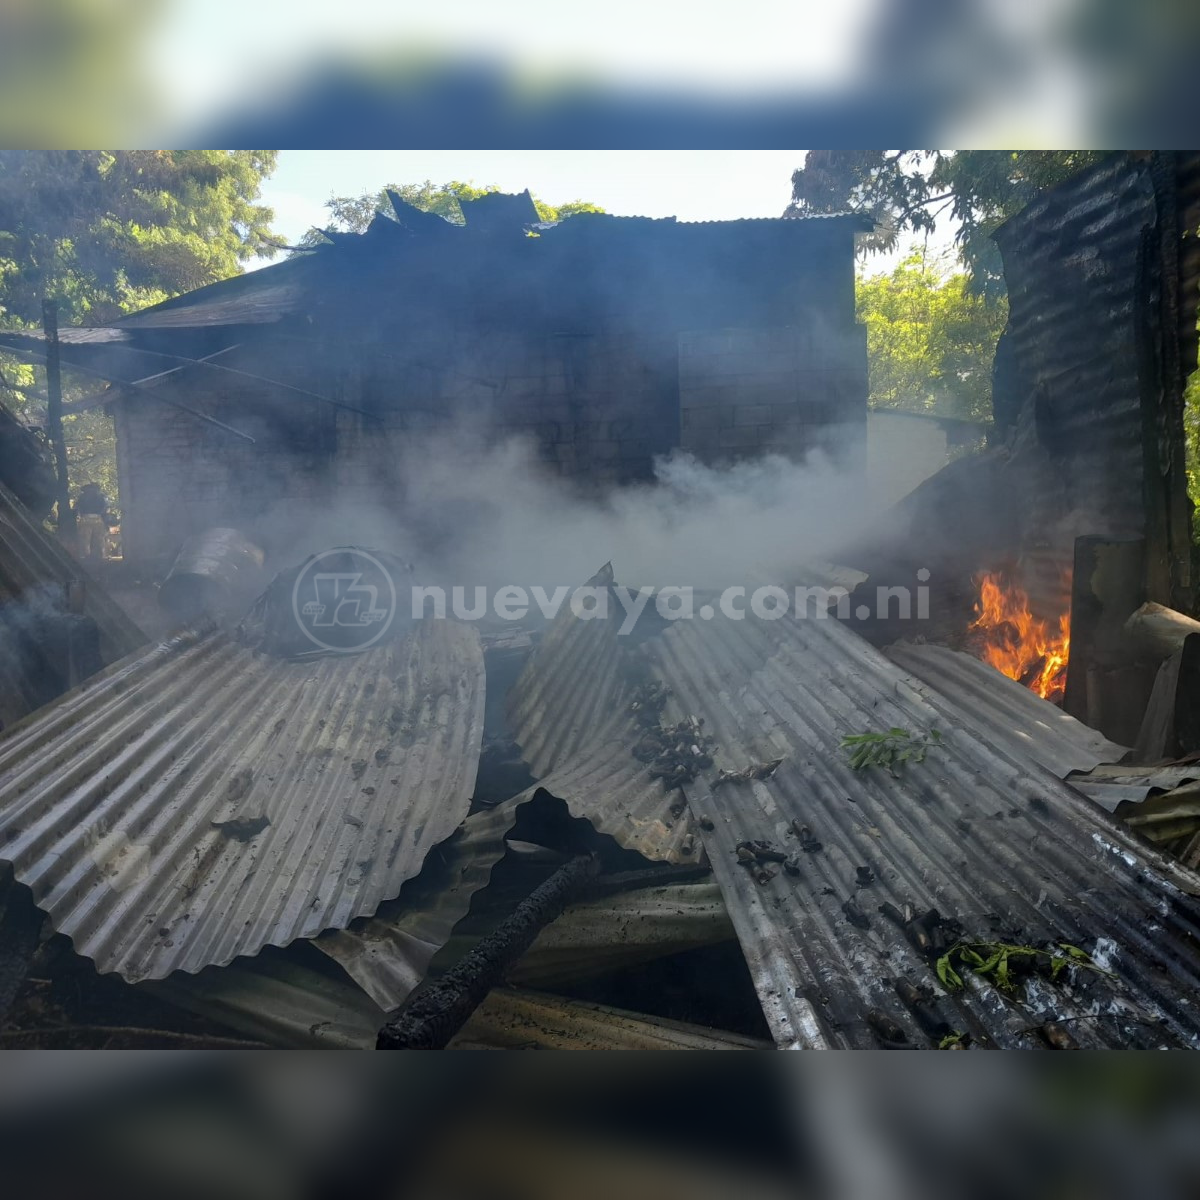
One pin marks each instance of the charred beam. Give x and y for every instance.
(436, 1011)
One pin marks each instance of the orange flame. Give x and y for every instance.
(1016, 642)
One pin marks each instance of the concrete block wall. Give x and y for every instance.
(748, 392)
(598, 407)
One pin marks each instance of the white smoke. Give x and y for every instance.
(492, 514)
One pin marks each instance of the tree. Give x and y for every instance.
(930, 340)
(355, 213)
(107, 232)
(908, 190)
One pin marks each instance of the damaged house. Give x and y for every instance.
(801, 832)
(607, 340)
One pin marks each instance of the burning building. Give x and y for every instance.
(1077, 512)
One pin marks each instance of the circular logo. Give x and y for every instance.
(344, 600)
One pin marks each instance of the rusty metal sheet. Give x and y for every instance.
(202, 801)
(570, 713)
(1004, 712)
(984, 836)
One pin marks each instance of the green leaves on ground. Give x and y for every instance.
(996, 961)
(892, 749)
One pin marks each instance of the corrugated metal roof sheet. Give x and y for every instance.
(570, 713)
(514, 1019)
(287, 1004)
(992, 841)
(203, 801)
(1078, 283)
(1003, 712)
(388, 954)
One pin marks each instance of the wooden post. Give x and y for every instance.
(66, 515)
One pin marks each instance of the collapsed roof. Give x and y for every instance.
(199, 803)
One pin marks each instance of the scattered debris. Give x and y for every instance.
(676, 753)
(808, 843)
(855, 915)
(746, 774)
(888, 1030)
(242, 829)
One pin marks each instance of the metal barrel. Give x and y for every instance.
(213, 571)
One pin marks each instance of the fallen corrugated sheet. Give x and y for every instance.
(1003, 712)
(279, 1001)
(388, 954)
(597, 937)
(1171, 820)
(510, 1019)
(30, 560)
(203, 801)
(613, 933)
(288, 1004)
(988, 839)
(1111, 785)
(570, 713)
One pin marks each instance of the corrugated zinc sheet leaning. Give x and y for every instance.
(30, 560)
(1077, 287)
(570, 713)
(990, 840)
(203, 801)
(1003, 712)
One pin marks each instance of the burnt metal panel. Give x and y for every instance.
(987, 838)
(202, 801)
(389, 953)
(570, 713)
(1004, 712)
(1090, 403)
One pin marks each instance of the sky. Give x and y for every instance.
(693, 185)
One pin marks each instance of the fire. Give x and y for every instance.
(1015, 642)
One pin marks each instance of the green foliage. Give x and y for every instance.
(891, 749)
(354, 213)
(909, 190)
(994, 961)
(107, 232)
(1191, 432)
(930, 341)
